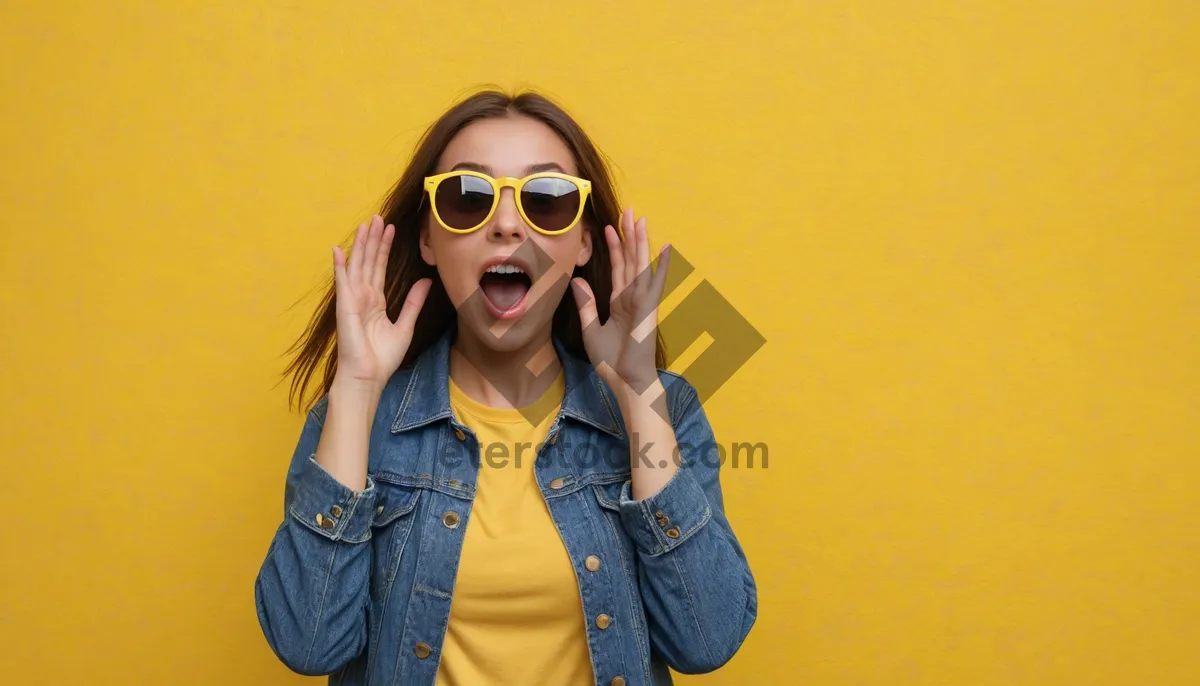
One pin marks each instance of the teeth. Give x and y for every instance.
(505, 269)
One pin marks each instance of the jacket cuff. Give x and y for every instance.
(668, 518)
(330, 508)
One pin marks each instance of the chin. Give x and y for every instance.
(500, 335)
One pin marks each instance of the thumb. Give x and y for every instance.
(406, 321)
(585, 301)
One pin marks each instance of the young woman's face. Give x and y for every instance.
(505, 311)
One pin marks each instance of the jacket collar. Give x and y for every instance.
(427, 395)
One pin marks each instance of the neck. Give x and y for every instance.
(503, 378)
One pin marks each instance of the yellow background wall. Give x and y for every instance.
(968, 232)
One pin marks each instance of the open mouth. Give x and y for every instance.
(504, 287)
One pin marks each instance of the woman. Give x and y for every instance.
(498, 484)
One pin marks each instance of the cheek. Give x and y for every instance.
(563, 253)
(455, 266)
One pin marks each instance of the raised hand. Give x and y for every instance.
(370, 346)
(622, 349)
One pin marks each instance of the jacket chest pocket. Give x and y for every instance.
(608, 497)
(390, 530)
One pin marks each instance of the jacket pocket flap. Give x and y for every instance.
(393, 501)
(609, 495)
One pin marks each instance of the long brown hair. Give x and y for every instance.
(404, 209)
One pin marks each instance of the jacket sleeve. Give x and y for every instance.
(312, 590)
(696, 585)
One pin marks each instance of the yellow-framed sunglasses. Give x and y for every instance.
(463, 201)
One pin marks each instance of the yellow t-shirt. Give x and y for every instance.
(516, 617)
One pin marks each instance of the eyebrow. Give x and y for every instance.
(531, 169)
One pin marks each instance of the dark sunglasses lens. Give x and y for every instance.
(463, 202)
(551, 204)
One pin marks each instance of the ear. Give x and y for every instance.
(426, 247)
(585, 249)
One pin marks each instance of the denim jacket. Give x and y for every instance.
(358, 585)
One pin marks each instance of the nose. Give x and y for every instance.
(507, 223)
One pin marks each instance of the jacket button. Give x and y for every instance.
(324, 522)
(617, 681)
(422, 651)
(450, 519)
(673, 532)
(557, 483)
(592, 563)
(335, 511)
(379, 509)
(602, 621)
(458, 433)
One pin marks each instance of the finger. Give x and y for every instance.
(660, 275)
(339, 272)
(585, 301)
(374, 236)
(354, 265)
(616, 256)
(413, 302)
(628, 242)
(642, 247)
(381, 257)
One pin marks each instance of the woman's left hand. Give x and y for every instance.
(622, 349)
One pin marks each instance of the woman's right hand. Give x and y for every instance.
(370, 346)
